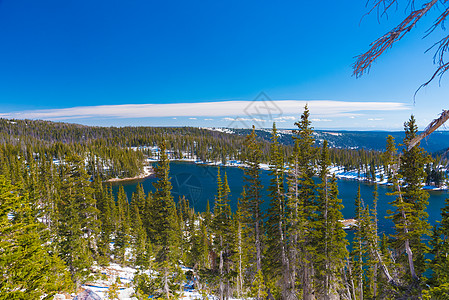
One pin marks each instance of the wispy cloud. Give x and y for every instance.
(375, 119)
(192, 118)
(248, 109)
(321, 120)
(285, 118)
(239, 119)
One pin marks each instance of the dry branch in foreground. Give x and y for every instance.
(434, 125)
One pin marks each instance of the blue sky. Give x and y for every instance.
(203, 63)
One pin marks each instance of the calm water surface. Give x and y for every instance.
(198, 184)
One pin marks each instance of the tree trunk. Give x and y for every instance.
(221, 287)
(166, 287)
(407, 241)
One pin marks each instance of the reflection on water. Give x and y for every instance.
(198, 184)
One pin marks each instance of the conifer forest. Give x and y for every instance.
(59, 216)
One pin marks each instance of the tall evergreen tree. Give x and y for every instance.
(77, 224)
(28, 270)
(243, 250)
(358, 249)
(331, 253)
(410, 217)
(277, 252)
(122, 239)
(301, 211)
(412, 173)
(254, 200)
(139, 235)
(104, 204)
(222, 239)
(440, 250)
(372, 240)
(166, 228)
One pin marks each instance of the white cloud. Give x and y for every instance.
(250, 110)
(208, 119)
(375, 119)
(285, 118)
(320, 120)
(245, 119)
(192, 118)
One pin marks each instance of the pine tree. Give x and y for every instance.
(103, 199)
(199, 252)
(372, 242)
(412, 172)
(77, 224)
(222, 239)
(389, 157)
(139, 235)
(440, 250)
(166, 228)
(331, 241)
(410, 217)
(277, 251)
(301, 211)
(28, 270)
(358, 249)
(243, 247)
(254, 200)
(121, 241)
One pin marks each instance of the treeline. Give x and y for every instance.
(109, 146)
(57, 219)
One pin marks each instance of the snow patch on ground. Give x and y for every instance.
(102, 283)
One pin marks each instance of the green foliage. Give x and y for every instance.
(440, 250)
(28, 268)
(166, 228)
(331, 243)
(301, 211)
(276, 227)
(410, 216)
(221, 223)
(258, 288)
(76, 218)
(253, 198)
(437, 293)
(146, 285)
(296, 250)
(112, 292)
(122, 237)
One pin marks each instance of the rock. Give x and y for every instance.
(87, 295)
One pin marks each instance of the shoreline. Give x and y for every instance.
(337, 170)
(147, 172)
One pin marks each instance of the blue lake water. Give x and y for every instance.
(198, 183)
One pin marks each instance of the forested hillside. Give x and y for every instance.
(108, 149)
(59, 219)
(438, 142)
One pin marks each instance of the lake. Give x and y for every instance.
(198, 183)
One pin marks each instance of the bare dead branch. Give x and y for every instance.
(381, 6)
(364, 61)
(434, 125)
(439, 72)
(439, 20)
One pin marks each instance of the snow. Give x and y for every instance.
(100, 285)
(225, 130)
